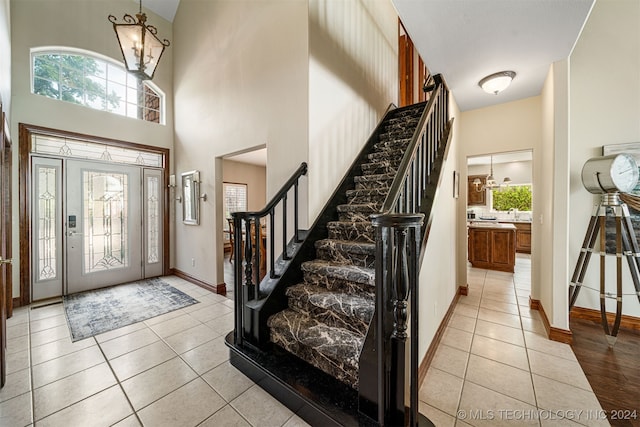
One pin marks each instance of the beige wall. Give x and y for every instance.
(605, 109)
(254, 176)
(511, 126)
(241, 81)
(353, 77)
(82, 25)
(5, 56)
(439, 273)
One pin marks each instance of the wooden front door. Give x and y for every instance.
(405, 67)
(6, 306)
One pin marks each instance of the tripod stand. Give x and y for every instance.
(626, 245)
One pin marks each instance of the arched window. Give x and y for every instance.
(92, 80)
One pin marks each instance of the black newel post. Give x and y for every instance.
(397, 250)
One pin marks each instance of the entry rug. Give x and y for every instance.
(94, 312)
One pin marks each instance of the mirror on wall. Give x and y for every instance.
(191, 198)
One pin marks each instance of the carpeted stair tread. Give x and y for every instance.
(333, 350)
(336, 309)
(349, 273)
(346, 252)
(358, 212)
(368, 195)
(356, 231)
(392, 143)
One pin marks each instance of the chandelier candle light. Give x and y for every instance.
(490, 182)
(141, 48)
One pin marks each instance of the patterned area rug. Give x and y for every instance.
(94, 312)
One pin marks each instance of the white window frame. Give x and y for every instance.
(60, 50)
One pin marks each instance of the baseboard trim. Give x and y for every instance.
(626, 322)
(463, 290)
(553, 333)
(428, 357)
(220, 288)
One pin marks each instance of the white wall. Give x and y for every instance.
(439, 276)
(605, 109)
(353, 77)
(83, 25)
(520, 172)
(5, 56)
(241, 81)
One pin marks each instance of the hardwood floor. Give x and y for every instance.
(614, 373)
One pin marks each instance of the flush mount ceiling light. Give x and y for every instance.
(497, 82)
(141, 48)
(490, 181)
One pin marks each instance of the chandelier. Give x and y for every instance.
(141, 48)
(490, 181)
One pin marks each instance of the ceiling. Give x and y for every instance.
(255, 157)
(466, 40)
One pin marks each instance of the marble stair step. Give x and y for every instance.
(373, 181)
(335, 277)
(335, 309)
(346, 252)
(378, 168)
(400, 124)
(333, 350)
(354, 231)
(357, 213)
(368, 195)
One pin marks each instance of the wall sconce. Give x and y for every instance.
(172, 185)
(497, 82)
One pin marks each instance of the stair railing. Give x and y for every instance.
(249, 238)
(401, 235)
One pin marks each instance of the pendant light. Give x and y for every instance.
(490, 181)
(141, 48)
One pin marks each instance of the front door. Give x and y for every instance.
(93, 225)
(103, 216)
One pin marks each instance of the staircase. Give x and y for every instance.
(327, 330)
(329, 312)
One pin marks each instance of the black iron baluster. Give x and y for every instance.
(272, 241)
(248, 257)
(285, 255)
(296, 228)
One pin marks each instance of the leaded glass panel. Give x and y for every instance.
(47, 220)
(153, 219)
(105, 204)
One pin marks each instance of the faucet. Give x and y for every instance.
(515, 212)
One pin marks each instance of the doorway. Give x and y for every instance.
(6, 303)
(97, 215)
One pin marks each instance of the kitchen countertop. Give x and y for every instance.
(495, 221)
(492, 224)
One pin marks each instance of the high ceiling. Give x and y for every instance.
(465, 40)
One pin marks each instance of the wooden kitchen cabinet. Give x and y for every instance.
(493, 247)
(523, 237)
(476, 198)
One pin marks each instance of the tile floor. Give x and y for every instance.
(494, 365)
(171, 370)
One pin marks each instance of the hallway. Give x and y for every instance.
(494, 365)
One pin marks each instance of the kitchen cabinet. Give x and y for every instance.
(523, 237)
(492, 246)
(476, 198)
